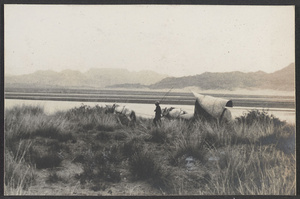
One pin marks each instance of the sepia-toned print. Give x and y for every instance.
(143, 100)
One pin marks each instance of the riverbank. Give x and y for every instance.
(145, 110)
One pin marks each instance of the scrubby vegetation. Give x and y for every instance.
(93, 153)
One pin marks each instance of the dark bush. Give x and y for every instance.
(119, 135)
(103, 127)
(45, 153)
(54, 178)
(114, 153)
(98, 165)
(283, 138)
(261, 117)
(211, 139)
(130, 147)
(158, 135)
(88, 126)
(84, 110)
(47, 161)
(53, 133)
(103, 136)
(143, 166)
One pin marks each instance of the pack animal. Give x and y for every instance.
(122, 110)
(173, 113)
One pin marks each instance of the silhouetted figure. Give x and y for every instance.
(157, 117)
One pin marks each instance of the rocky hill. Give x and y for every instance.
(280, 80)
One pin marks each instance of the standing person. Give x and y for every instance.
(157, 117)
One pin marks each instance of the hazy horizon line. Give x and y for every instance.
(136, 71)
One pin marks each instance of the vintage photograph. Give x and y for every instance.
(149, 100)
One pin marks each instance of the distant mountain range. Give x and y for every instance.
(283, 79)
(93, 78)
(280, 80)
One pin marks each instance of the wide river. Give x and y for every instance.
(143, 109)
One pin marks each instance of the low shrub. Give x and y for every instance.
(54, 178)
(86, 118)
(53, 132)
(250, 169)
(284, 138)
(258, 123)
(103, 136)
(45, 153)
(158, 135)
(188, 144)
(143, 166)
(120, 135)
(99, 165)
(216, 135)
(20, 111)
(48, 161)
(31, 125)
(131, 146)
(88, 126)
(261, 117)
(104, 127)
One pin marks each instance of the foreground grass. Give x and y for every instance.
(94, 152)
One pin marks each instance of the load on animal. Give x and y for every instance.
(206, 108)
(175, 113)
(212, 108)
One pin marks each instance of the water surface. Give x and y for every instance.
(144, 110)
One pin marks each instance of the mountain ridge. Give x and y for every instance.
(283, 79)
(94, 77)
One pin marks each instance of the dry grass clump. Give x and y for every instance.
(158, 135)
(248, 170)
(144, 166)
(32, 123)
(187, 144)
(86, 118)
(18, 175)
(45, 133)
(101, 165)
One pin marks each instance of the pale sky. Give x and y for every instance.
(176, 40)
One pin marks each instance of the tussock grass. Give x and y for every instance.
(144, 166)
(188, 144)
(158, 135)
(247, 170)
(255, 154)
(131, 146)
(87, 118)
(99, 165)
(18, 175)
